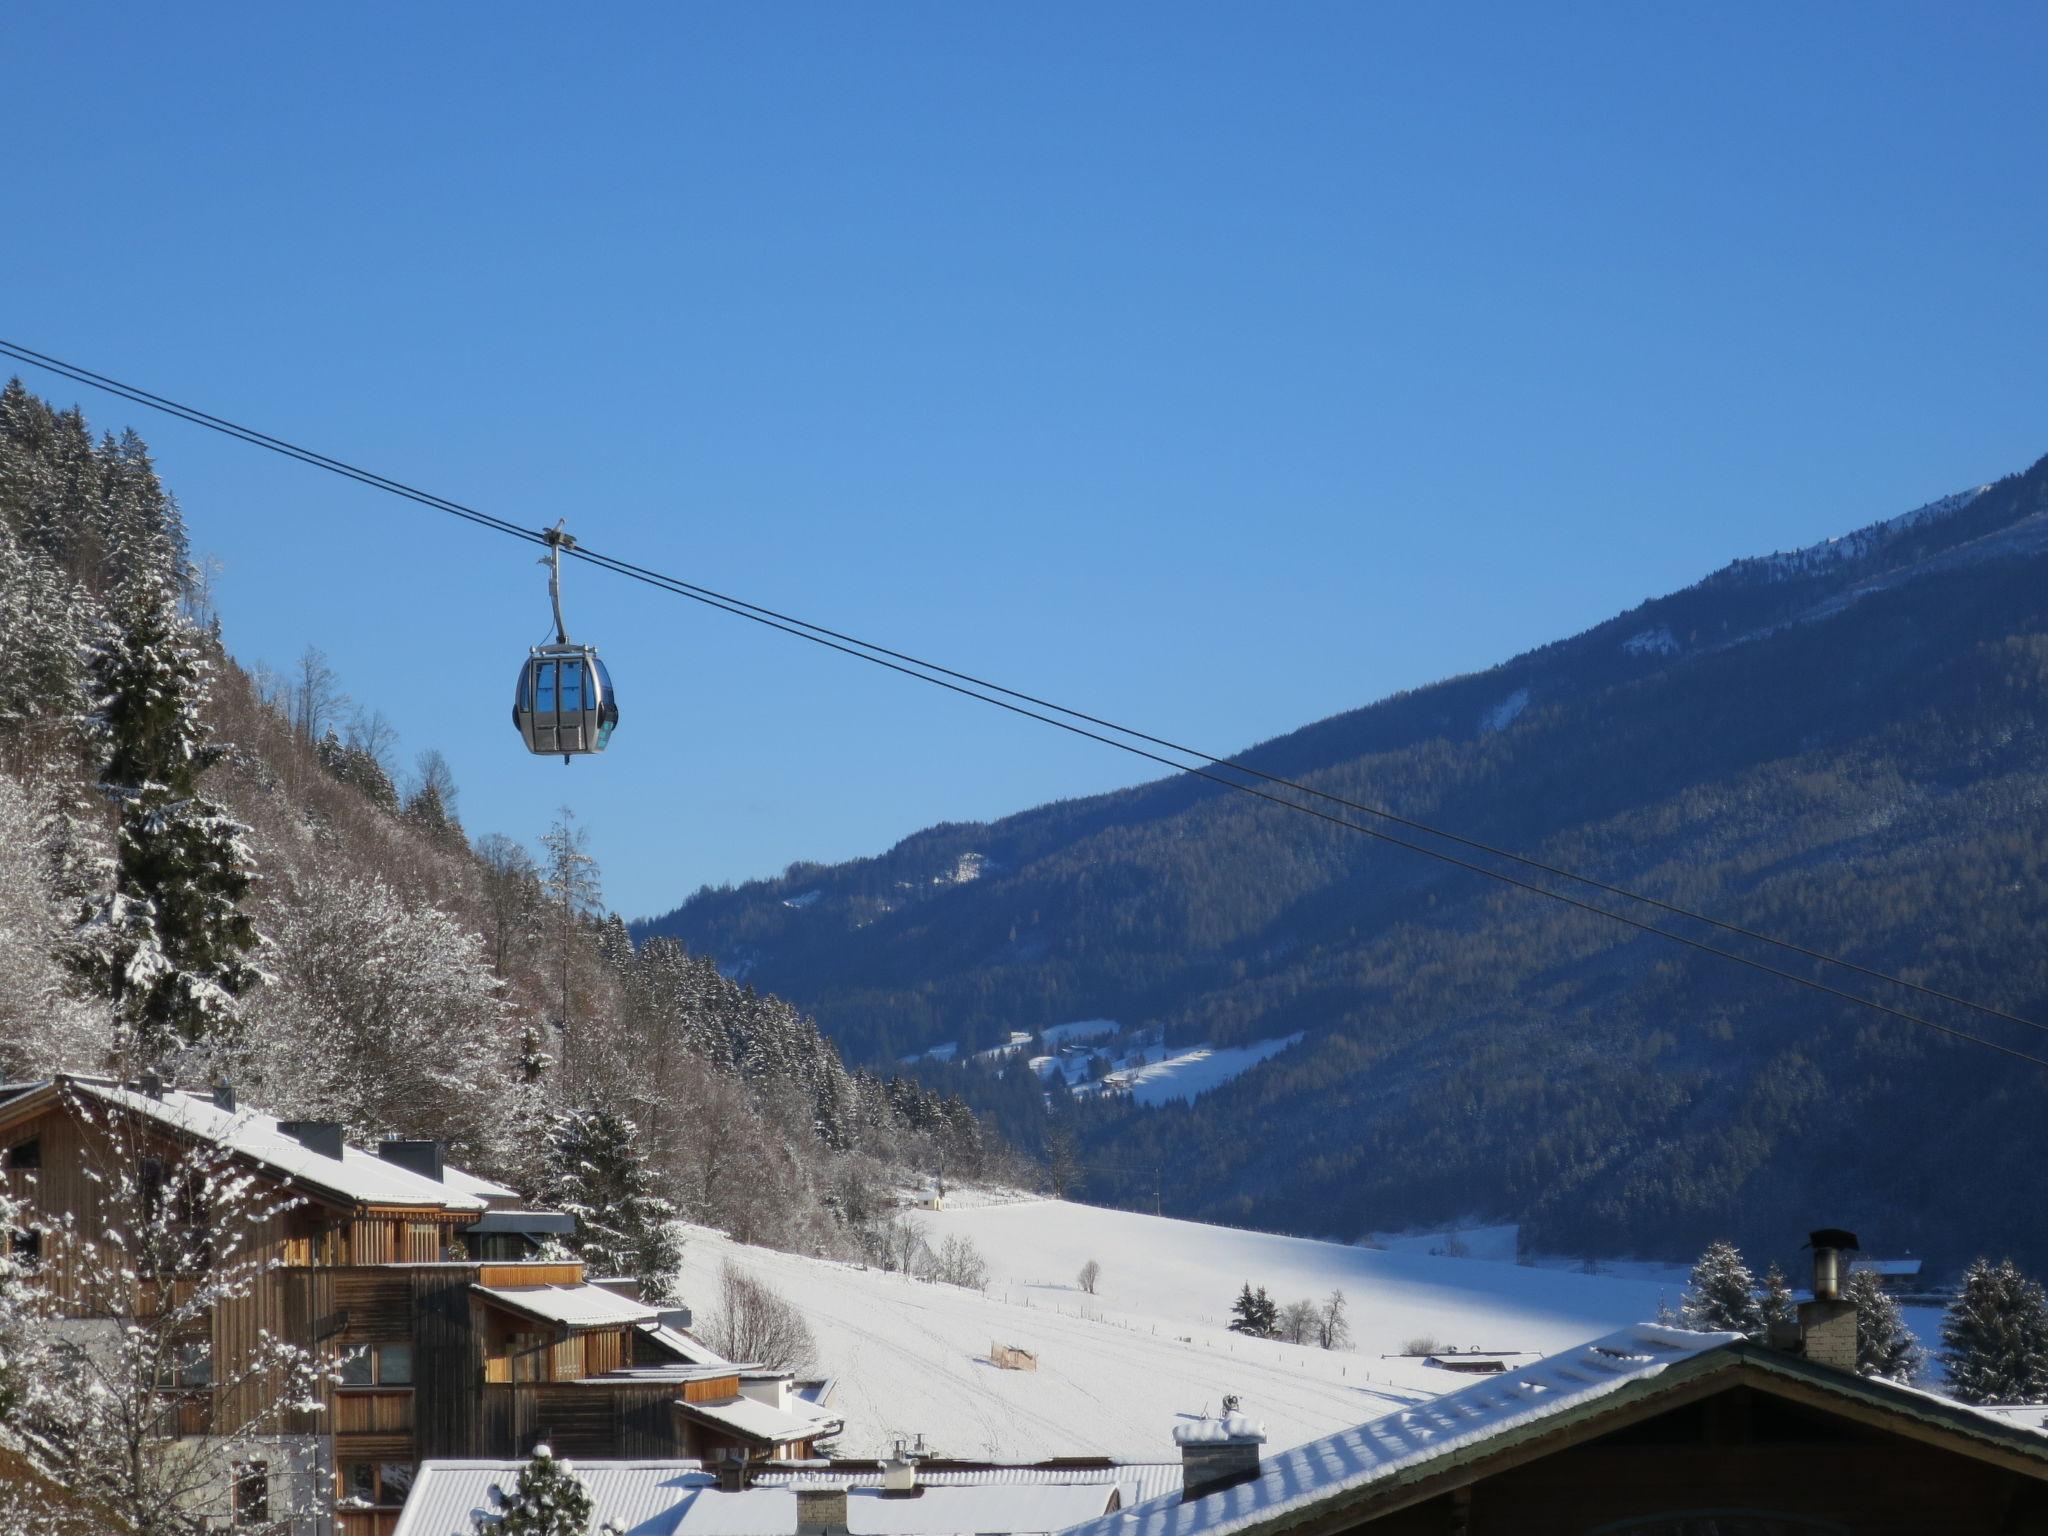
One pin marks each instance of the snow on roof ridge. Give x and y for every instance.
(357, 1175)
(1227, 1429)
(1396, 1441)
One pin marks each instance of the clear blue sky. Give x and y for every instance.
(1217, 367)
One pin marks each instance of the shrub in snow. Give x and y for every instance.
(1994, 1338)
(547, 1500)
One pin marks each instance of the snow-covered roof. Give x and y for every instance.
(757, 1421)
(1135, 1481)
(686, 1347)
(1899, 1267)
(357, 1176)
(680, 1498)
(1381, 1447)
(570, 1306)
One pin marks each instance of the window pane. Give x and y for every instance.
(397, 1478)
(361, 1481)
(29, 1154)
(355, 1366)
(252, 1493)
(572, 686)
(394, 1365)
(195, 1363)
(544, 688)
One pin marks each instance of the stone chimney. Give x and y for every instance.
(420, 1157)
(732, 1473)
(224, 1096)
(1827, 1324)
(1217, 1453)
(821, 1509)
(322, 1136)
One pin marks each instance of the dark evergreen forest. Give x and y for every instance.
(1847, 747)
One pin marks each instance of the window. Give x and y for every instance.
(359, 1482)
(394, 1480)
(394, 1365)
(377, 1483)
(376, 1365)
(529, 1353)
(27, 1248)
(252, 1494)
(26, 1154)
(187, 1366)
(358, 1366)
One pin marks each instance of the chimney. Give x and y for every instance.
(151, 1085)
(732, 1473)
(420, 1157)
(224, 1096)
(821, 1509)
(1217, 1453)
(899, 1475)
(322, 1136)
(677, 1318)
(1827, 1324)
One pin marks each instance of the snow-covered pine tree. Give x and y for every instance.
(1994, 1337)
(1885, 1346)
(1776, 1306)
(172, 938)
(548, 1499)
(600, 1177)
(1721, 1296)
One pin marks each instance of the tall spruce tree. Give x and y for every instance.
(1721, 1296)
(600, 1177)
(1994, 1338)
(1255, 1313)
(1885, 1346)
(170, 944)
(1776, 1307)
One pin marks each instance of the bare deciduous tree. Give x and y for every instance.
(1297, 1322)
(1090, 1276)
(957, 1262)
(754, 1326)
(1333, 1331)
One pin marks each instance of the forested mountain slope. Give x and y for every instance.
(225, 876)
(1846, 745)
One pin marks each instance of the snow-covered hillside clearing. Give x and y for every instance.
(1116, 1369)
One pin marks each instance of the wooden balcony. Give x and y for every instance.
(372, 1411)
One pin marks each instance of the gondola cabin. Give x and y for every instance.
(565, 703)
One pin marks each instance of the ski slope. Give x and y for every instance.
(1117, 1369)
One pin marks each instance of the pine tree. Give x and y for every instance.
(601, 1178)
(1721, 1296)
(1777, 1306)
(1885, 1346)
(1254, 1313)
(547, 1500)
(1994, 1337)
(169, 944)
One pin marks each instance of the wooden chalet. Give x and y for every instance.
(416, 1282)
(1650, 1431)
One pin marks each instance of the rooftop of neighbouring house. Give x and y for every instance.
(356, 1177)
(682, 1498)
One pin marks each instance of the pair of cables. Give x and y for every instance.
(1605, 899)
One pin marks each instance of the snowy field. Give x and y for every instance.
(1117, 1369)
(1187, 1073)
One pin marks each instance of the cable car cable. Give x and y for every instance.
(875, 654)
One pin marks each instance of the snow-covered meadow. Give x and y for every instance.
(1116, 1369)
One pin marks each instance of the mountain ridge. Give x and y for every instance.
(1851, 751)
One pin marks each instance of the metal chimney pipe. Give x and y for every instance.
(1830, 1269)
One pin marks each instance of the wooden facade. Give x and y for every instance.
(438, 1371)
(1736, 1444)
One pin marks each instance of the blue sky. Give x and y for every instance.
(1214, 367)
